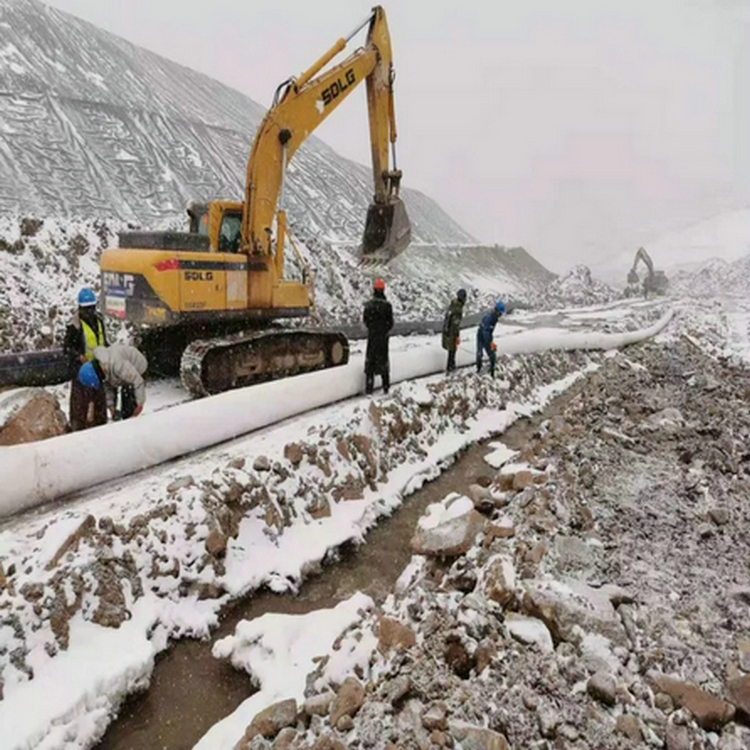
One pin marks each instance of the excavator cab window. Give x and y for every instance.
(198, 221)
(229, 236)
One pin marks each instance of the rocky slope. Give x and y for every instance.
(93, 126)
(577, 287)
(714, 278)
(587, 596)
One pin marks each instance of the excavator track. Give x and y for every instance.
(215, 365)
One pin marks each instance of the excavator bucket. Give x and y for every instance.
(632, 277)
(387, 232)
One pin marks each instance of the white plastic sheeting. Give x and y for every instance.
(35, 473)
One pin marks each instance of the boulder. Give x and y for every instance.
(710, 712)
(529, 630)
(451, 538)
(348, 700)
(34, 414)
(293, 453)
(270, 721)
(216, 543)
(393, 635)
(677, 737)
(602, 687)
(570, 605)
(500, 580)
(476, 738)
(738, 692)
(262, 463)
(319, 705)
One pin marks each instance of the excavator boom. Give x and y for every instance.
(209, 296)
(300, 106)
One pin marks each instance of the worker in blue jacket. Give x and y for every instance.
(484, 337)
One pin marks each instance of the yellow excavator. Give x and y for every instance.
(195, 294)
(655, 282)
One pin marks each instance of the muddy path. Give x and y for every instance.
(191, 690)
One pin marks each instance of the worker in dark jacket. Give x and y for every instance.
(88, 407)
(378, 317)
(452, 327)
(484, 337)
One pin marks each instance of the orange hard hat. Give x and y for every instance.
(379, 285)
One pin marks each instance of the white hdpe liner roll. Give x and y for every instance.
(35, 473)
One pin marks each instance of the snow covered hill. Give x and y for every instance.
(577, 287)
(715, 277)
(93, 126)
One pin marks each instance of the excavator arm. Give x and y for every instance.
(299, 107)
(641, 256)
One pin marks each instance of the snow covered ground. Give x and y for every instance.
(92, 589)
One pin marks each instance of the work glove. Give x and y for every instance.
(458, 340)
(137, 410)
(493, 346)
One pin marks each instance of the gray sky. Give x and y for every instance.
(578, 128)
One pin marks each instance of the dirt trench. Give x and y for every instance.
(190, 690)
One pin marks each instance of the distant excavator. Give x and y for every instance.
(655, 282)
(198, 292)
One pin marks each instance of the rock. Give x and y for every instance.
(285, 739)
(500, 580)
(262, 463)
(216, 543)
(529, 630)
(677, 737)
(547, 719)
(627, 725)
(738, 692)
(348, 700)
(71, 544)
(439, 738)
(180, 483)
(522, 480)
(664, 703)
(238, 462)
(709, 711)
(476, 738)
(484, 654)
(601, 686)
(743, 647)
(37, 417)
(3, 579)
(457, 657)
(294, 454)
(436, 716)
(398, 688)
(482, 498)
(462, 576)
(345, 723)
(270, 721)
(328, 742)
(571, 604)
(319, 507)
(503, 529)
(319, 705)
(451, 538)
(720, 516)
(394, 636)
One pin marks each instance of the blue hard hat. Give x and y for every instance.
(86, 298)
(500, 307)
(87, 376)
(461, 294)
